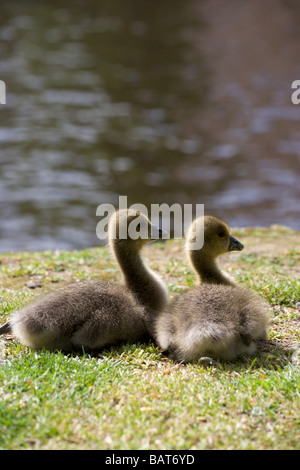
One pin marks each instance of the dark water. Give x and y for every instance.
(165, 102)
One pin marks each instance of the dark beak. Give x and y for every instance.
(234, 245)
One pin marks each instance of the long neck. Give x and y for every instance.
(207, 269)
(146, 286)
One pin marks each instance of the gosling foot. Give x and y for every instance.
(206, 361)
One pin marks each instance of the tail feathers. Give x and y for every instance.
(6, 328)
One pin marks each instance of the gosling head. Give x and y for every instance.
(215, 234)
(132, 228)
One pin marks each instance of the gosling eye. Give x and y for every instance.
(222, 234)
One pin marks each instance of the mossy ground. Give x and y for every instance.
(132, 396)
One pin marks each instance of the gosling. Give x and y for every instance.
(91, 315)
(216, 318)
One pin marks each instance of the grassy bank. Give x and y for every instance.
(132, 396)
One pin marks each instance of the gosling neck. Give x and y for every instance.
(207, 269)
(146, 286)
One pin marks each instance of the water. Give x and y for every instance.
(164, 102)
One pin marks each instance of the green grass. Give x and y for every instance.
(132, 396)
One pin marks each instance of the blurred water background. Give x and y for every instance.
(163, 101)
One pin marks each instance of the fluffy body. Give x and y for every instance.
(217, 321)
(97, 314)
(89, 315)
(217, 318)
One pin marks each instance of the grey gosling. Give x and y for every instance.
(215, 319)
(95, 314)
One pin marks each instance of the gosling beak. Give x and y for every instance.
(157, 233)
(235, 245)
